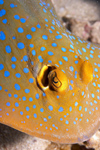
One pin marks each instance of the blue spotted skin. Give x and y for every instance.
(30, 36)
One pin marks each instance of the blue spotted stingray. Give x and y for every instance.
(49, 78)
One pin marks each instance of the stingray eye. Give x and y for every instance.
(52, 78)
(57, 80)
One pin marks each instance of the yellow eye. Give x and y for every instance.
(52, 78)
(57, 80)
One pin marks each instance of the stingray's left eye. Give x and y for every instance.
(52, 78)
(57, 80)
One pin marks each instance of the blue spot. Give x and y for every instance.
(16, 17)
(32, 62)
(43, 48)
(2, 12)
(28, 36)
(8, 104)
(54, 44)
(92, 95)
(1, 66)
(72, 46)
(91, 55)
(84, 50)
(8, 49)
(49, 61)
(41, 109)
(33, 52)
(35, 115)
(6, 74)
(16, 104)
(25, 58)
(50, 108)
(0, 88)
(24, 98)
(13, 66)
(12, 5)
(50, 53)
(74, 122)
(85, 109)
(17, 87)
(76, 62)
(45, 37)
(71, 81)
(52, 28)
(26, 70)
(80, 107)
(1, 2)
(9, 95)
(60, 62)
(18, 75)
(20, 45)
(96, 70)
(4, 21)
(33, 29)
(60, 109)
(27, 117)
(27, 108)
(13, 59)
(95, 102)
(20, 30)
(15, 95)
(71, 68)
(57, 96)
(94, 84)
(67, 122)
(49, 117)
(63, 49)
(27, 90)
(34, 106)
(40, 58)
(45, 119)
(30, 99)
(70, 87)
(99, 85)
(31, 80)
(71, 51)
(38, 26)
(79, 52)
(44, 94)
(37, 96)
(87, 120)
(76, 103)
(44, 10)
(13, 37)
(6, 90)
(21, 112)
(65, 58)
(40, 4)
(22, 20)
(2, 35)
(70, 108)
(31, 45)
(46, 20)
(50, 31)
(61, 119)
(58, 37)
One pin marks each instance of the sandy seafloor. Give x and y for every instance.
(81, 17)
